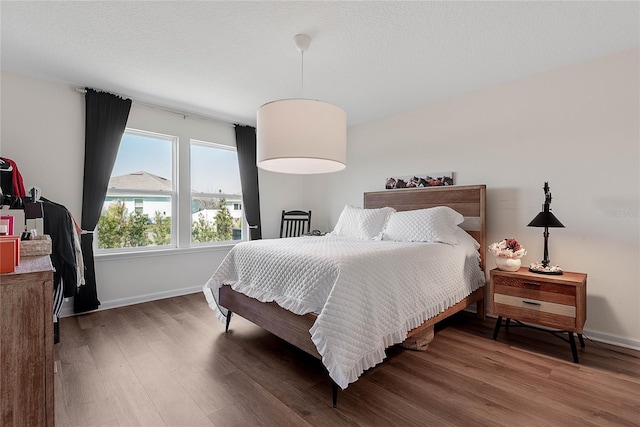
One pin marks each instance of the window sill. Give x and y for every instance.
(162, 252)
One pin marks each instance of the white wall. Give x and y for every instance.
(577, 128)
(42, 126)
(43, 131)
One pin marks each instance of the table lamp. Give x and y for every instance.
(545, 219)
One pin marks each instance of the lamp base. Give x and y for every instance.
(538, 267)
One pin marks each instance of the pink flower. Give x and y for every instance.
(507, 248)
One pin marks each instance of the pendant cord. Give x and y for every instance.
(302, 74)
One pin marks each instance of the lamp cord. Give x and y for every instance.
(302, 74)
(610, 349)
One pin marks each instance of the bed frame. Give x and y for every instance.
(469, 200)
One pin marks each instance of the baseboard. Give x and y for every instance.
(67, 308)
(612, 339)
(593, 335)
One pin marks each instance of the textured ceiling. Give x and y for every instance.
(373, 59)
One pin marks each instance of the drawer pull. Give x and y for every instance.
(531, 283)
(531, 302)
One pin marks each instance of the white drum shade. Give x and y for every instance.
(301, 136)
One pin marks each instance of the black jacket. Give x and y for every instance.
(59, 225)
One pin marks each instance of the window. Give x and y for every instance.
(139, 205)
(216, 194)
(143, 209)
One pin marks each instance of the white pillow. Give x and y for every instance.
(361, 223)
(431, 225)
(467, 241)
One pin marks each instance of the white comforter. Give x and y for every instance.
(368, 294)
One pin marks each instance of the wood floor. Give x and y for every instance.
(169, 362)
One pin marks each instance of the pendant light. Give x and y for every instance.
(301, 136)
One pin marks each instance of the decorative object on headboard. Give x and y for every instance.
(422, 180)
(545, 219)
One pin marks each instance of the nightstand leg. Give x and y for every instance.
(497, 328)
(574, 351)
(581, 340)
(507, 323)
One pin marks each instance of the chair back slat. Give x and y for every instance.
(293, 223)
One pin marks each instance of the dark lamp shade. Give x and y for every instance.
(545, 219)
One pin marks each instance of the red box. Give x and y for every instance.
(7, 256)
(16, 246)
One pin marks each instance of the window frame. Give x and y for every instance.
(173, 195)
(195, 141)
(180, 146)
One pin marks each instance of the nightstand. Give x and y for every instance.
(558, 302)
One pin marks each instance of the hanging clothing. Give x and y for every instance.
(12, 185)
(78, 250)
(58, 301)
(17, 185)
(59, 225)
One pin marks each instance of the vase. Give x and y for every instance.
(508, 264)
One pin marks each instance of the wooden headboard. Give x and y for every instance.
(469, 200)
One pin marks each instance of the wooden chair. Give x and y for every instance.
(293, 223)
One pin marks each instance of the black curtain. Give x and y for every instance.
(106, 119)
(246, 146)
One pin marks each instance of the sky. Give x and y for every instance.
(212, 169)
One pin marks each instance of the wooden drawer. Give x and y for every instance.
(535, 289)
(555, 302)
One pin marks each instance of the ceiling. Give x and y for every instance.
(224, 59)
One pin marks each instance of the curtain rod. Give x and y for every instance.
(184, 114)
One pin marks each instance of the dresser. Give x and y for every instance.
(26, 344)
(556, 302)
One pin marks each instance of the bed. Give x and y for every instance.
(304, 330)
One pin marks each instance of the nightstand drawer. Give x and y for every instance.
(536, 305)
(535, 289)
(547, 314)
